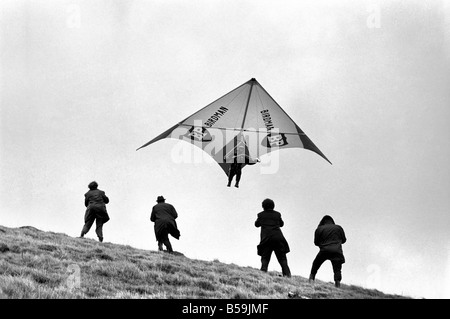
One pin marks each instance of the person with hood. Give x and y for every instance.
(95, 200)
(329, 237)
(164, 215)
(272, 239)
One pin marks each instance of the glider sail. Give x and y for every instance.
(246, 119)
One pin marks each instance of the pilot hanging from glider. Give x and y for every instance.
(238, 157)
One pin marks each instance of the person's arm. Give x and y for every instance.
(174, 213)
(153, 215)
(316, 237)
(257, 222)
(86, 201)
(250, 160)
(344, 239)
(105, 198)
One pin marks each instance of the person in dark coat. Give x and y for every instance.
(95, 200)
(272, 238)
(329, 237)
(164, 215)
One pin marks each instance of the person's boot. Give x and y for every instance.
(337, 279)
(264, 265)
(229, 184)
(237, 185)
(311, 278)
(168, 246)
(100, 239)
(285, 269)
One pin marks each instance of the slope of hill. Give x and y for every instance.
(38, 264)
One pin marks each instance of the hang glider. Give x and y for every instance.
(247, 119)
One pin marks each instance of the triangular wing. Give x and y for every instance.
(248, 111)
(274, 127)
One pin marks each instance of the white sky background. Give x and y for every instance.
(85, 83)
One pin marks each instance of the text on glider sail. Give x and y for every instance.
(216, 116)
(267, 120)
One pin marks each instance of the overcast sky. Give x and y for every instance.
(85, 83)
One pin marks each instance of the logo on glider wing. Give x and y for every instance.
(199, 133)
(274, 140)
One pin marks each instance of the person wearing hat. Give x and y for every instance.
(95, 201)
(164, 215)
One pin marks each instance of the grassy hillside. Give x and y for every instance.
(38, 264)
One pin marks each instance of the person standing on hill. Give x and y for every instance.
(164, 215)
(272, 238)
(329, 237)
(95, 200)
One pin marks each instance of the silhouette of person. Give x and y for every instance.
(329, 237)
(238, 159)
(95, 200)
(164, 215)
(272, 238)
